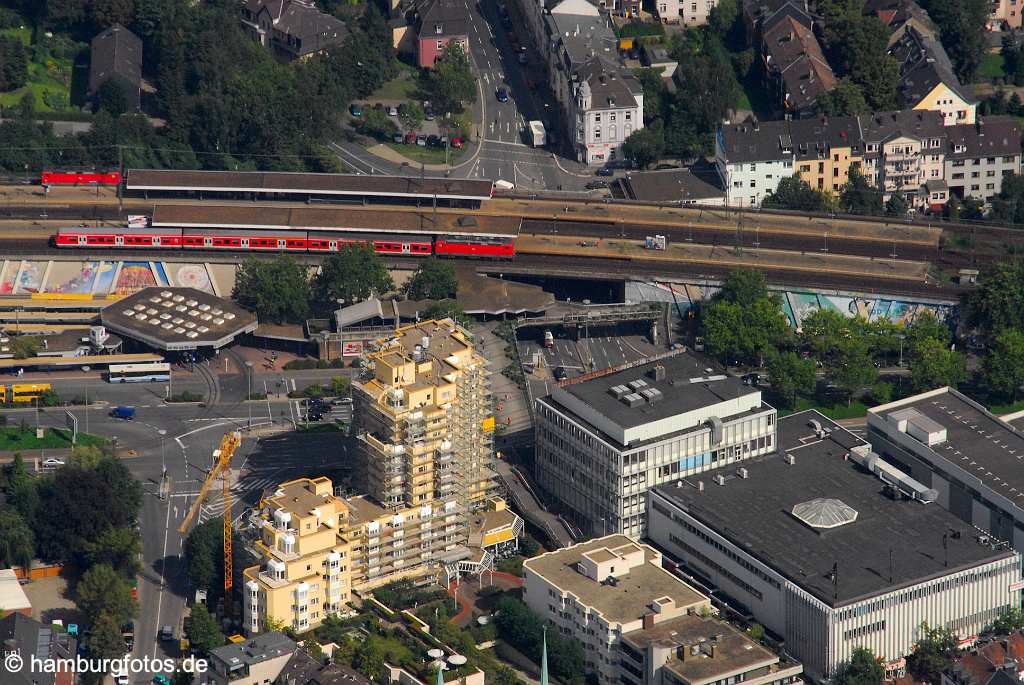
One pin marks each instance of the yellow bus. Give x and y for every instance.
(26, 392)
(3, 394)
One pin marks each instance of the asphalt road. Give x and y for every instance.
(181, 438)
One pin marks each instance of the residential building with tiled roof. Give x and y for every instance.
(116, 54)
(294, 29)
(796, 70)
(927, 79)
(978, 156)
(440, 23)
(998, 662)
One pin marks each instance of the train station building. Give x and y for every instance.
(173, 319)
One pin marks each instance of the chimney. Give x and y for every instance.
(683, 652)
(648, 620)
(713, 647)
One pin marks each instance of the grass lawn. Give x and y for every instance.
(50, 80)
(427, 155)
(754, 97)
(836, 412)
(394, 651)
(13, 438)
(991, 67)
(405, 86)
(1000, 409)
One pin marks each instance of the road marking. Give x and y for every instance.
(160, 596)
(505, 142)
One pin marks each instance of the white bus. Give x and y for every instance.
(139, 373)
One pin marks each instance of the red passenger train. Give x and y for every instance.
(79, 178)
(254, 240)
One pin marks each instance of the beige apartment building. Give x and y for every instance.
(426, 423)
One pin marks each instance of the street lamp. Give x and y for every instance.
(341, 332)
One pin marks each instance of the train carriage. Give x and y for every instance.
(112, 236)
(77, 178)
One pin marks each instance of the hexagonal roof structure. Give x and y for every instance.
(825, 513)
(178, 318)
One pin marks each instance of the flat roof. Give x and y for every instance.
(754, 514)
(275, 217)
(690, 383)
(977, 441)
(86, 360)
(255, 650)
(633, 592)
(296, 498)
(174, 318)
(673, 185)
(318, 184)
(734, 651)
(12, 596)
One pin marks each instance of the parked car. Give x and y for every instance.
(341, 401)
(604, 171)
(502, 94)
(379, 106)
(457, 142)
(355, 109)
(560, 374)
(523, 59)
(433, 141)
(428, 114)
(399, 138)
(166, 634)
(410, 138)
(421, 140)
(52, 463)
(596, 185)
(392, 111)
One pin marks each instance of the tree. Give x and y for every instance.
(1009, 622)
(1008, 203)
(863, 668)
(13, 63)
(204, 556)
(369, 659)
(962, 29)
(1004, 364)
(203, 632)
(120, 548)
(794, 193)
(353, 274)
(376, 124)
(859, 196)
(276, 289)
(447, 309)
(339, 385)
(411, 115)
(897, 205)
(925, 326)
(791, 376)
(504, 675)
(845, 99)
(106, 13)
(851, 368)
(744, 286)
(106, 641)
(17, 542)
(856, 46)
(935, 365)
(654, 92)
(932, 654)
(21, 489)
(452, 82)
(646, 146)
(745, 321)
(994, 305)
(112, 97)
(101, 590)
(434, 280)
(313, 649)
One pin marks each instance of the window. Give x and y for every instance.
(597, 118)
(990, 174)
(629, 116)
(612, 116)
(753, 167)
(440, 45)
(753, 183)
(990, 186)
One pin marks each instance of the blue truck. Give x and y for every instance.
(126, 413)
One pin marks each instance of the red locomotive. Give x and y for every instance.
(80, 178)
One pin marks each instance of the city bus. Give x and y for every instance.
(27, 392)
(139, 373)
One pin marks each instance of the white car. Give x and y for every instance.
(120, 679)
(52, 463)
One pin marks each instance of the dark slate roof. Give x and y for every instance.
(302, 669)
(923, 64)
(302, 20)
(990, 137)
(884, 126)
(812, 138)
(255, 650)
(795, 52)
(766, 13)
(754, 514)
(33, 638)
(610, 85)
(673, 185)
(444, 19)
(755, 142)
(583, 36)
(115, 52)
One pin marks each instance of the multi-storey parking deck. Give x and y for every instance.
(340, 188)
(332, 219)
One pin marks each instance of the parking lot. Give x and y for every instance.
(600, 348)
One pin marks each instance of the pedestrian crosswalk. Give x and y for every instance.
(243, 488)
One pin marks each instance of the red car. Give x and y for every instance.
(410, 138)
(456, 142)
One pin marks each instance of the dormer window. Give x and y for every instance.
(437, 29)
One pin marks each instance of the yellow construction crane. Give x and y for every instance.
(221, 467)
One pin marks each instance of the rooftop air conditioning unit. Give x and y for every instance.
(720, 479)
(789, 458)
(743, 473)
